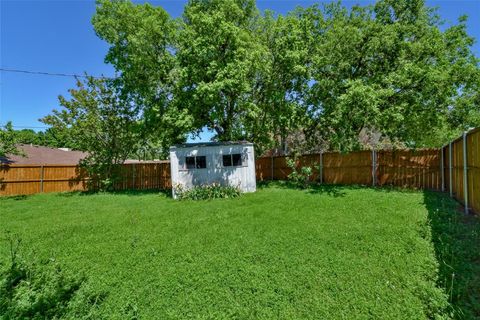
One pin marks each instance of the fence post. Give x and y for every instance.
(450, 165)
(42, 174)
(272, 167)
(374, 167)
(321, 167)
(442, 169)
(465, 171)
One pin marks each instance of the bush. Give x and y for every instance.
(299, 178)
(207, 191)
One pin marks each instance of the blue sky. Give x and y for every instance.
(57, 37)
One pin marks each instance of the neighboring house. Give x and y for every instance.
(43, 155)
(39, 155)
(226, 163)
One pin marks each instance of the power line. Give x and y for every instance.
(24, 127)
(51, 73)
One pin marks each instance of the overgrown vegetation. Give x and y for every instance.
(321, 252)
(457, 242)
(41, 289)
(207, 191)
(300, 176)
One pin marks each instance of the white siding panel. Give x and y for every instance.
(242, 176)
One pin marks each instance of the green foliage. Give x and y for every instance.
(388, 67)
(101, 121)
(219, 57)
(142, 46)
(326, 72)
(300, 178)
(54, 137)
(8, 140)
(58, 137)
(41, 290)
(207, 192)
(27, 136)
(367, 252)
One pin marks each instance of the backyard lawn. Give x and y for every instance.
(323, 253)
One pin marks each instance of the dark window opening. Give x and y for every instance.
(199, 162)
(237, 159)
(232, 160)
(227, 160)
(190, 161)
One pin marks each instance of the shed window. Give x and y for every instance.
(227, 160)
(232, 160)
(199, 162)
(237, 159)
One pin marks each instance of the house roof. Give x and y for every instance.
(43, 155)
(38, 155)
(211, 144)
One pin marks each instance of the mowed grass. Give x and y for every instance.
(324, 253)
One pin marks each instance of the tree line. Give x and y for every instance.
(319, 77)
(324, 74)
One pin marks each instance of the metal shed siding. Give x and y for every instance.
(242, 176)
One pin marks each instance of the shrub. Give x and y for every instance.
(299, 178)
(207, 191)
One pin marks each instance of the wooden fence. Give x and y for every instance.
(455, 168)
(461, 169)
(446, 169)
(405, 168)
(29, 179)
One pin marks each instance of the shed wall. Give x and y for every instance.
(242, 176)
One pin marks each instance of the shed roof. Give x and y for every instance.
(211, 144)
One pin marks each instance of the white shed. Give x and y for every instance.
(227, 163)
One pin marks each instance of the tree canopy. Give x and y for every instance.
(325, 73)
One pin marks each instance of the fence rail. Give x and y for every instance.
(455, 168)
(29, 179)
(406, 168)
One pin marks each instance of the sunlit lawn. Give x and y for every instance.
(324, 253)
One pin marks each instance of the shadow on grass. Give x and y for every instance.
(456, 238)
(314, 188)
(129, 192)
(16, 198)
(334, 190)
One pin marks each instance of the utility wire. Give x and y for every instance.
(51, 74)
(46, 74)
(25, 127)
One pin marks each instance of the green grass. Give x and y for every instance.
(329, 252)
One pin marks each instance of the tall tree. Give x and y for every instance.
(387, 67)
(281, 82)
(326, 73)
(219, 56)
(142, 50)
(102, 121)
